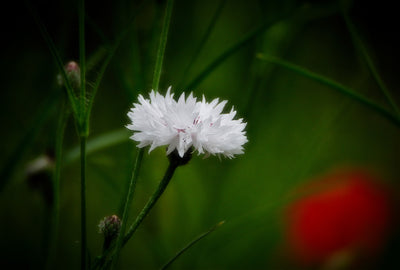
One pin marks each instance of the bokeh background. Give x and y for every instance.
(298, 129)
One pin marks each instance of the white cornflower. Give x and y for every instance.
(186, 123)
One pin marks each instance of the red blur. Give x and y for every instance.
(344, 218)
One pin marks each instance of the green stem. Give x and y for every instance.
(162, 45)
(82, 64)
(83, 204)
(152, 201)
(127, 203)
(334, 85)
(360, 46)
(156, 81)
(107, 256)
(83, 131)
(56, 187)
(192, 243)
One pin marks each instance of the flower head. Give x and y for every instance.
(186, 123)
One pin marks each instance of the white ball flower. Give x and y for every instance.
(186, 123)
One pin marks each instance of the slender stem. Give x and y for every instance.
(334, 85)
(192, 243)
(152, 201)
(83, 203)
(83, 131)
(156, 81)
(56, 187)
(162, 45)
(128, 202)
(359, 44)
(82, 63)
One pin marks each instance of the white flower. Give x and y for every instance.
(186, 123)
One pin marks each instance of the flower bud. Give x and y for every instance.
(73, 73)
(109, 227)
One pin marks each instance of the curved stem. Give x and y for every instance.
(152, 201)
(156, 81)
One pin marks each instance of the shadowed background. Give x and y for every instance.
(297, 128)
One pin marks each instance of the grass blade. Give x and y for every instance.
(110, 53)
(364, 52)
(55, 217)
(162, 45)
(332, 84)
(192, 243)
(56, 57)
(98, 143)
(82, 63)
(98, 81)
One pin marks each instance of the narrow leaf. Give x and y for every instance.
(364, 52)
(56, 56)
(98, 143)
(192, 243)
(162, 45)
(332, 84)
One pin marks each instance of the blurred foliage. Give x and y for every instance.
(297, 128)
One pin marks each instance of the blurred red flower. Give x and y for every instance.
(345, 213)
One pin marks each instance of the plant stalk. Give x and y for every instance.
(82, 63)
(55, 211)
(127, 203)
(162, 45)
(83, 140)
(152, 201)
